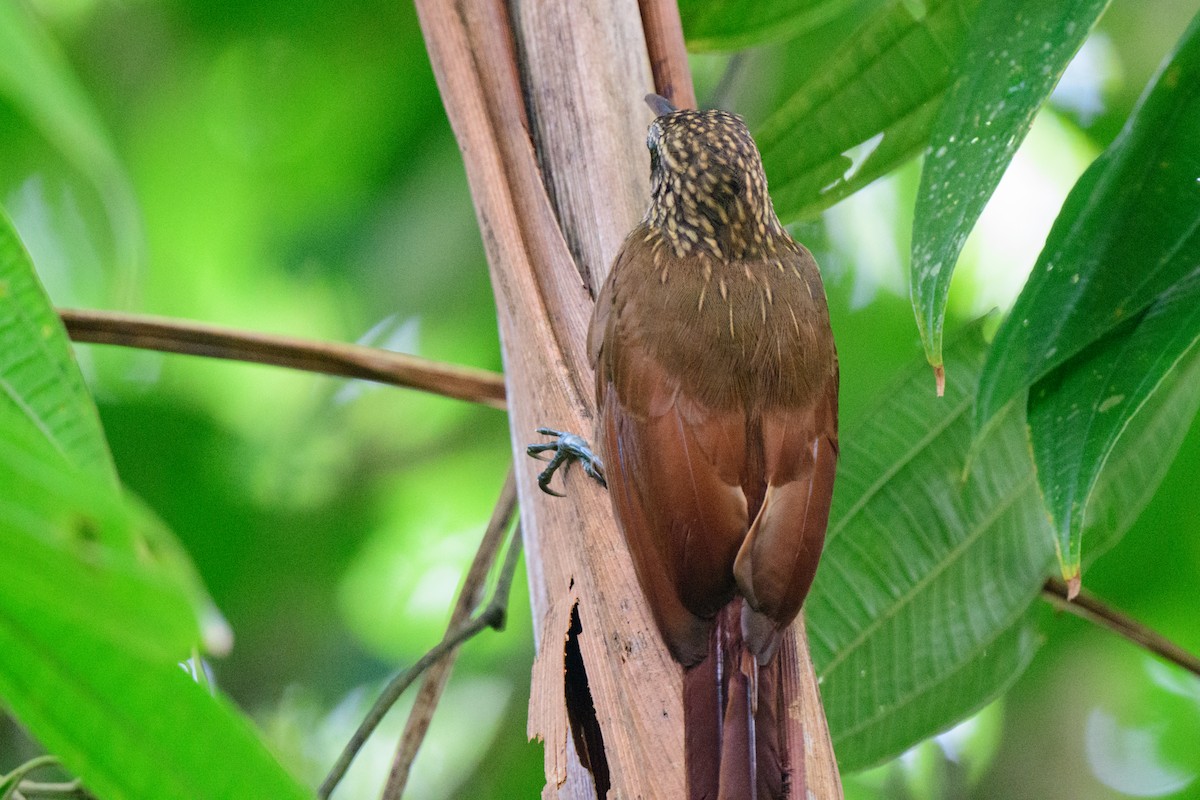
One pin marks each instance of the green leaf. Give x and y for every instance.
(73, 547)
(37, 80)
(1077, 413)
(920, 613)
(131, 725)
(734, 24)
(39, 379)
(879, 93)
(1015, 55)
(91, 632)
(1129, 230)
(1141, 457)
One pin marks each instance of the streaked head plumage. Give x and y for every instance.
(708, 189)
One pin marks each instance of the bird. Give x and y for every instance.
(716, 389)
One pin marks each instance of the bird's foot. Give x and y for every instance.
(567, 447)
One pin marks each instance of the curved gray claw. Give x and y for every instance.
(567, 447)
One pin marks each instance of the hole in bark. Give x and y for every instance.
(581, 711)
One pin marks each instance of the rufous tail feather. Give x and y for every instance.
(734, 734)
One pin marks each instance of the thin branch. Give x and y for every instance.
(436, 677)
(346, 360)
(1088, 607)
(69, 790)
(493, 616)
(29, 767)
(27, 789)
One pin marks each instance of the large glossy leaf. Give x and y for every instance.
(920, 613)
(37, 80)
(734, 24)
(1077, 412)
(1016, 52)
(1140, 459)
(91, 632)
(38, 376)
(130, 724)
(1129, 230)
(866, 111)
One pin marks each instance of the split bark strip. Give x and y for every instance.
(575, 554)
(668, 52)
(437, 675)
(330, 358)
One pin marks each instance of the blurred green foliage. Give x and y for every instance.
(287, 167)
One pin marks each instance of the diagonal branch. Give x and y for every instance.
(492, 616)
(1086, 606)
(331, 358)
(437, 675)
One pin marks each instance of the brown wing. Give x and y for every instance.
(673, 470)
(776, 564)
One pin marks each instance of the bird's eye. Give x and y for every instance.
(653, 136)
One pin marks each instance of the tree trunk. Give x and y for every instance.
(547, 108)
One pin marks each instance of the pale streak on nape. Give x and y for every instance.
(724, 292)
(732, 335)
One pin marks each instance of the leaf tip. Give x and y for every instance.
(1074, 581)
(939, 379)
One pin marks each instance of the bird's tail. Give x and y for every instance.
(740, 743)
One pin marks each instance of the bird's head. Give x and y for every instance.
(708, 189)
